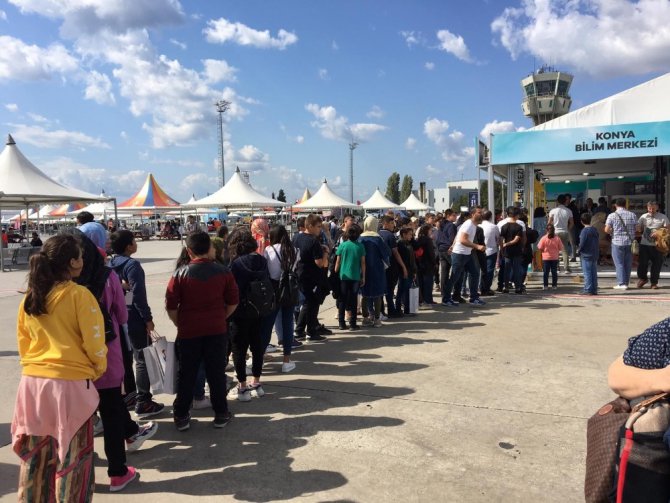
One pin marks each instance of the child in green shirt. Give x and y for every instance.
(350, 265)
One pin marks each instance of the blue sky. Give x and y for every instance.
(98, 93)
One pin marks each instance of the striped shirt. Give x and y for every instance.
(619, 235)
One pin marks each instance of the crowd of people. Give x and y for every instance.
(86, 319)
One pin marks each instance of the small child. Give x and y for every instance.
(406, 252)
(550, 245)
(589, 252)
(350, 265)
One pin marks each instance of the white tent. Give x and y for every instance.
(324, 198)
(188, 209)
(378, 201)
(236, 193)
(412, 203)
(647, 102)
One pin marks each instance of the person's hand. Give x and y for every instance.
(362, 282)
(150, 326)
(481, 248)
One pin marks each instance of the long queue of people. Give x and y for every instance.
(85, 320)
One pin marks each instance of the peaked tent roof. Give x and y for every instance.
(325, 199)
(647, 102)
(149, 197)
(22, 183)
(305, 196)
(66, 209)
(236, 193)
(412, 203)
(378, 201)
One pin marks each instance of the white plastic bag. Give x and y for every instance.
(161, 362)
(413, 299)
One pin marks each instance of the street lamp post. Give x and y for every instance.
(221, 107)
(352, 147)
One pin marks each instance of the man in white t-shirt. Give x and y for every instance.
(647, 225)
(462, 261)
(562, 219)
(491, 240)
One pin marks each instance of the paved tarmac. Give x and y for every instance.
(463, 404)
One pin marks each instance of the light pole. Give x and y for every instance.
(221, 106)
(352, 147)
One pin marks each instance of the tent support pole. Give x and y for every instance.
(2, 249)
(491, 191)
(116, 214)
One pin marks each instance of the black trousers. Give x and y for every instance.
(118, 426)
(348, 300)
(308, 319)
(649, 254)
(129, 385)
(245, 334)
(212, 350)
(445, 269)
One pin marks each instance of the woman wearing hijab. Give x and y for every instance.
(377, 255)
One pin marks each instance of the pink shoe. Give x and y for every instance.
(119, 483)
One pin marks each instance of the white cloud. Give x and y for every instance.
(179, 44)
(124, 135)
(12, 107)
(323, 74)
(289, 176)
(218, 70)
(496, 126)
(3, 15)
(336, 127)
(603, 38)
(429, 65)
(199, 184)
(299, 139)
(375, 113)
(92, 16)
(454, 44)
(40, 137)
(221, 31)
(410, 143)
(452, 143)
(334, 46)
(99, 88)
(251, 158)
(37, 118)
(412, 38)
(433, 170)
(20, 61)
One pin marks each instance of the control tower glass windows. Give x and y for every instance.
(530, 90)
(545, 87)
(563, 86)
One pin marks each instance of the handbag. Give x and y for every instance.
(414, 298)
(162, 366)
(634, 244)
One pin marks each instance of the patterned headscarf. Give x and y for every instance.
(260, 230)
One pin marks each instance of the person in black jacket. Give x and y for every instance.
(446, 232)
(406, 252)
(425, 254)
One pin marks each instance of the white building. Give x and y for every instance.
(444, 198)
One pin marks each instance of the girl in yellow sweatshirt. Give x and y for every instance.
(61, 340)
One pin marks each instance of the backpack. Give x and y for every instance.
(288, 289)
(110, 335)
(259, 298)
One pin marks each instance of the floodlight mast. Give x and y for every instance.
(222, 107)
(352, 147)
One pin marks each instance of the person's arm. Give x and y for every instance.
(172, 296)
(463, 239)
(136, 279)
(639, 227)
(632, 382)
(172, 314)
(362, 270)
(608, 228)
(571, 223)
(231, 294)
(514, 241)
(398, 259)
(92, 329)
(337, 263)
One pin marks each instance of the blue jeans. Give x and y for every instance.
(547, 267)
(487, 275)
(623, 263)
(402, 298)
(590, 270)
(282, 319)
(462, 264)
(513, 271)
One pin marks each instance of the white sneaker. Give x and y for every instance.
(145, 432)
(241, 394)
(205, 403)
(256, 391)
(271, 348)
(383, 317)
(287, 367)
(98, 429)
(620, 287)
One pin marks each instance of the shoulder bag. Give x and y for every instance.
(634, 245)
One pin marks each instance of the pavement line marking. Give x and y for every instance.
(438, 402)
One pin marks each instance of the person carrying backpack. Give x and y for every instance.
(256, 302)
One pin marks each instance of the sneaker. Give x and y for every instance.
(460, 300)
(119, 483)
(130, 400)
(477, 302)
(641, 283)
(382, 317)
(243, 394)
(221, 420)
(296, 344)
(450, 303)
(256, 390)
(573, 259)
(98, 428)
(378, 323)
(271, 348)
(488, 293)
(144, 433)
(354, 328)
(202, 403)
(367, 322)
(299, 336)
(545, 287)
(315, 338)
(144, 410)
(323, 330)
(183, 423)
(620, 287)
(343, 325)
(287, 367)
(519, 291)
(554, 287)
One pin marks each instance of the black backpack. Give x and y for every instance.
(288, 289)
(259, 298)
(110, 335)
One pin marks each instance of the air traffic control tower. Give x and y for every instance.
(546, 94)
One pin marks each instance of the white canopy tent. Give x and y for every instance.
(378, 201)
(22, 184)
(412, 203)
(324, 198)
(236, 193)
(188, 209)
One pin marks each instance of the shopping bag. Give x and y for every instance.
(161, 362)
(413, 299)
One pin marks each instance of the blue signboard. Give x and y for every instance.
(599, 142)
(473, 199)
